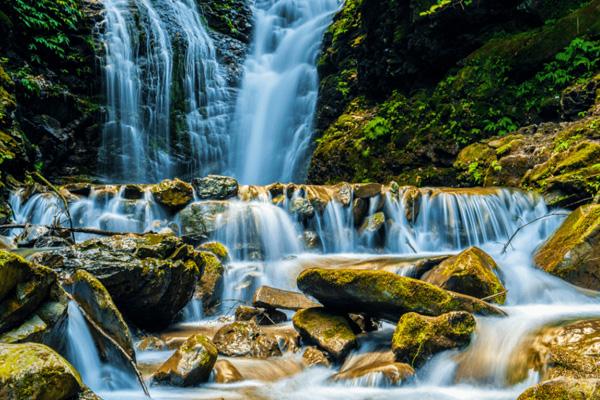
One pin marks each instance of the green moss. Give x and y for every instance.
(173, 194)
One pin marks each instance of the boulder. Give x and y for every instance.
(202, 219)
(312, 356)
(150, 277)
(573, 251)
(564, 388)
(218, 249)
(261, 316)
(35, 372)
(384, 295)
(330, 332)
(33, 306)
(303, 208)
(173, 194)
(472, 272)
(226, 372)
(210, 285)
(191, 364)
(133, 192)
(371, 368)
(373, 224)
(418, 337)
(245, 339)
(269, 297)
(93, 297)
(215, 187)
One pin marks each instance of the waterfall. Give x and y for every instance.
(161, 75)
(274, 112)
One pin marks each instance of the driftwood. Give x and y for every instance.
(92, 231)
(121, 350)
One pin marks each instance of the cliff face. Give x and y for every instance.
(406, 85)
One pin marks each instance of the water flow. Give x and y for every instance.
(275, 109)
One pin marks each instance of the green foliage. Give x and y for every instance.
(377, 128)
(441, 4)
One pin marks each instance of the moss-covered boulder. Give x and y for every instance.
(93, 297)
(383, 294)
(33, 305)
(245, 339)
(472, 272)
(218, 249)
(329, 331)
(150, 277)
(173, 194)
(564, 388)
(573, 251)
(34, 371)
(215, 187)
(210, 285)
(191, 364)
(418, 337)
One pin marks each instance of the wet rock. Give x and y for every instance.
(133, 192)
(330, 332)
(218, 249)
(564, 388)
(369, 368)
(33, 305)
(312, 356)
(150, 277)
(151, 343)
(366, 190)
(210, 284)
(191, 364)
(303, 208)
(472, 272)
(215, 187)
(93, 297)
(35, 372)
(269, 297)
(261, 316)
(202, 219)
(383, 294)
(374, 227)
(173, 193)
(311, 240)
(573, 251)
(418, 337)
(41, 236)
(245, 339)
(225, 372)
(364, 323)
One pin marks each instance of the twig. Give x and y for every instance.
(494, 295)
(47, 183)
(527, 224)
(101, 331)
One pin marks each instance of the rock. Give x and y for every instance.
(33, 306)
(303, 208)
(366, 190)
(564, 388)
(472, 272)
(364, 323)
(152, 343)
(269, 297)
(245, 339)
(373, 228)
(573, 251)
(218, 249)
(370, 367)
(383, 294)
(312, 356)
(328, 331)
(259, 315)
(42, 236)
(93, 297)
(210, 285)
(150, 277)
(418, 337)
(311, 240)
(191, 364)
(226, 372)
(202, 219)
(133, 192)
(173, 193)
(215, 187)
(35, 372)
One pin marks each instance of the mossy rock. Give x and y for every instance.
(191, 364)
(472, 272)
(215, 187)
(34, 371)
(384, 295)
(174, 194)
(417, 338)
(564, 389)
(13, 269)
(218, 249)
(245, 339)
(210, 285)
(329, 331)
(573, 251)
(200, 220)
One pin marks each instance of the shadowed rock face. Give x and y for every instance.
(384, 295)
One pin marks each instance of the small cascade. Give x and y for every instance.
(274, 112)
(335, 227)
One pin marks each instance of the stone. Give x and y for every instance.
(93, 297)
(330, 332)
(417, 337)
(384, 295)
(218, 249)
(191, 364)
(215, 187)
(260, 315)
(133, 192)
(303, 208)
(35, 372)
(564, 388)
(573, 251)
(210, 285)
(226, 372)
(472, 272)
(393, 373)
(245, 339)
(202, 219)
(173, 194)
(312, 356)
(269, 297)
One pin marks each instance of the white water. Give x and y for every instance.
(274, 112)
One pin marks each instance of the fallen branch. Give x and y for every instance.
(47, 183)
(101, 331)
(92, 231)
(527, 224)
(494, 295)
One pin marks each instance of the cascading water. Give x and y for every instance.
(275, 109)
